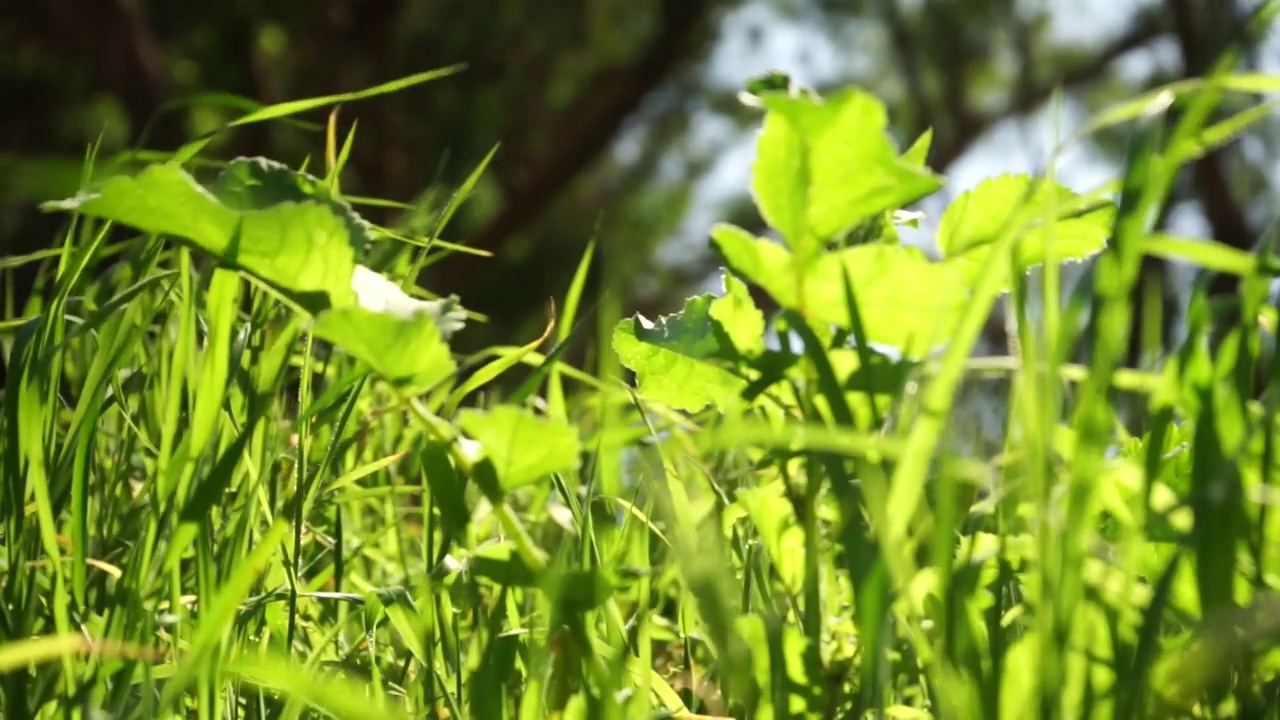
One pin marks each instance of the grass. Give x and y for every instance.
(212, 511)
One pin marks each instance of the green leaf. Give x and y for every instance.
(257, 183)
(1046, 212)
(905, 300)
(579, 591)
(786, 666)
(501, 563)
(683, 360)
(771, 81)
(523, 447)
(304, 249)
(826, 165)
(738, 317)
(918, 153)
(881, 381)
(780, 182)
(576, 590)
(407, 351)
(223, 302)
(284, 228)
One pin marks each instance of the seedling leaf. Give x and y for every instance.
(523, 447)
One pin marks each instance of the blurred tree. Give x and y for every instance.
(599, 107)
(970, 69)
(552, 85)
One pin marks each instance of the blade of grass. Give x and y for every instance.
(297, 107)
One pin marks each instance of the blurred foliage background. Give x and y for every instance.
(615, 119)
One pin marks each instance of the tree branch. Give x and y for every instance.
(588, 125)
(1030, 96)
(1201, 46)
(908, 58)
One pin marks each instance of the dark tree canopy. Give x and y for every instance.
(555, 86)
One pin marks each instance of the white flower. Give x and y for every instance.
(907, 217)
(471, 449)
(374, 292)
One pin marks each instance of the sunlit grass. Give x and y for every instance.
(210, 512)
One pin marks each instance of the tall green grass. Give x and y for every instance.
(220, 502)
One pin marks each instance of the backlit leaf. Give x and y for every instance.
(523, 447)
(1045, 212)
(406, 351)
(739, 318)
(826, 165)
(303, 249)
(682, 360)
(282, 227)
(905, 301)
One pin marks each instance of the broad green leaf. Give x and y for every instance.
(303, 249)
(780, 180)
(826, 165)
(257, 183)
(1044, 211)
(523, 447)
(905, 300)
(283, 227)
(918, 153)
(738, 317)
(502, 564)
(162, 199)
(408, 351)
(760, 261)
(881, 381)
(683, 360)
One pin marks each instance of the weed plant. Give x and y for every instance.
(244, 475)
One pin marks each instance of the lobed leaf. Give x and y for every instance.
(825, 165)
(523, 447)
(1046, 212)
(407, 351)
(304, 249)
(685, 360)
(905, 300)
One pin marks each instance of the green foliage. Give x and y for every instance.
(684, 357)
(1046, 218)
(284, 228)
(302, 248)
(823, 166)
(523, 447)
(209, 512)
